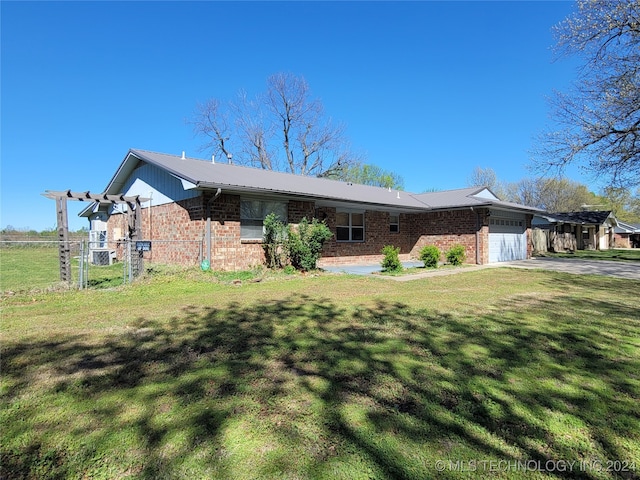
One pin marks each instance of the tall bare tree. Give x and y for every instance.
(482, 177)
(551, 194)
(486, 177)
(212, 121)
(283, 129)
(600, 116)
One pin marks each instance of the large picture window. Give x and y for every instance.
(350, 227)
(253, 213)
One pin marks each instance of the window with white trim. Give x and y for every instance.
(253, 213)
(350, 226)
(394, 223)
(98, 239)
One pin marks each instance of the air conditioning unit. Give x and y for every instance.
(102, 257)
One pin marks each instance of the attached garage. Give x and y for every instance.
(507, 237)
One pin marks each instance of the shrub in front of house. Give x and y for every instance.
(304, 244)
(274, 241)
(430, 256)
(456, 255)
(391, 260)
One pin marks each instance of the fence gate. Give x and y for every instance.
(96, 267)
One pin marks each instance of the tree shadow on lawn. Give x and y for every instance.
(304, 388)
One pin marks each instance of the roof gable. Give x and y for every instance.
(207, 175)
(197, 174)
(485, 192)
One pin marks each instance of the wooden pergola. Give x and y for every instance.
(134, 220)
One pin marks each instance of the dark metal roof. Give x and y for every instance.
(597, 217)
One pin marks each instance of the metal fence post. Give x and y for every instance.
(81, 267)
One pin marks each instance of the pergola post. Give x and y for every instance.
(135, 229)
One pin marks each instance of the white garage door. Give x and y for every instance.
(507, 239)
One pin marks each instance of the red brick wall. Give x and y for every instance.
(178, 233)
(376, 234)
(175, 229)
(442, 229)
(229, 251)
(297, 209)
(453, 227)
(621, 240)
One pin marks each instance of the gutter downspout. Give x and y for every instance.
(208, 232)
(477, 236)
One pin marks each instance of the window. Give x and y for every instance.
(98, 239)
(349, 227)
(252, 214)
(394, 223)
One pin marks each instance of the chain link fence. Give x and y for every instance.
(30, 265)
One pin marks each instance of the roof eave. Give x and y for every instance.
(309, 196)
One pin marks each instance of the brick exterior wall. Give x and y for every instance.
(442, 229)
(376, 236)
(621, 241)
(453, 227)
(178, 232)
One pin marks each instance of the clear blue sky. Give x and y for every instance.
(430, 90)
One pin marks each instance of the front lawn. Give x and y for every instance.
(501, 372)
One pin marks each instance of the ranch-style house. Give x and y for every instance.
(198, 209)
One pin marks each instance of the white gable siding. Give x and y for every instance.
(484, 193)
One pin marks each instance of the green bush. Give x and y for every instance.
(304, 244)
(391, 260)
(456, 255)
(430, 255)
(274, 241)
(293, 248)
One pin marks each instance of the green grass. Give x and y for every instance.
(323, 376)
(37, 267)
(29, 267)
(627, 255)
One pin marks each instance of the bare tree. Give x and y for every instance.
(525, 192)
(600, 117)
(254, 132)
(482, 177)
(282, 129)
(211, 121)
(551, 194)
(486, 177)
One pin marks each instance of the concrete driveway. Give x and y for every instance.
(580, 266)
(630, 270)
